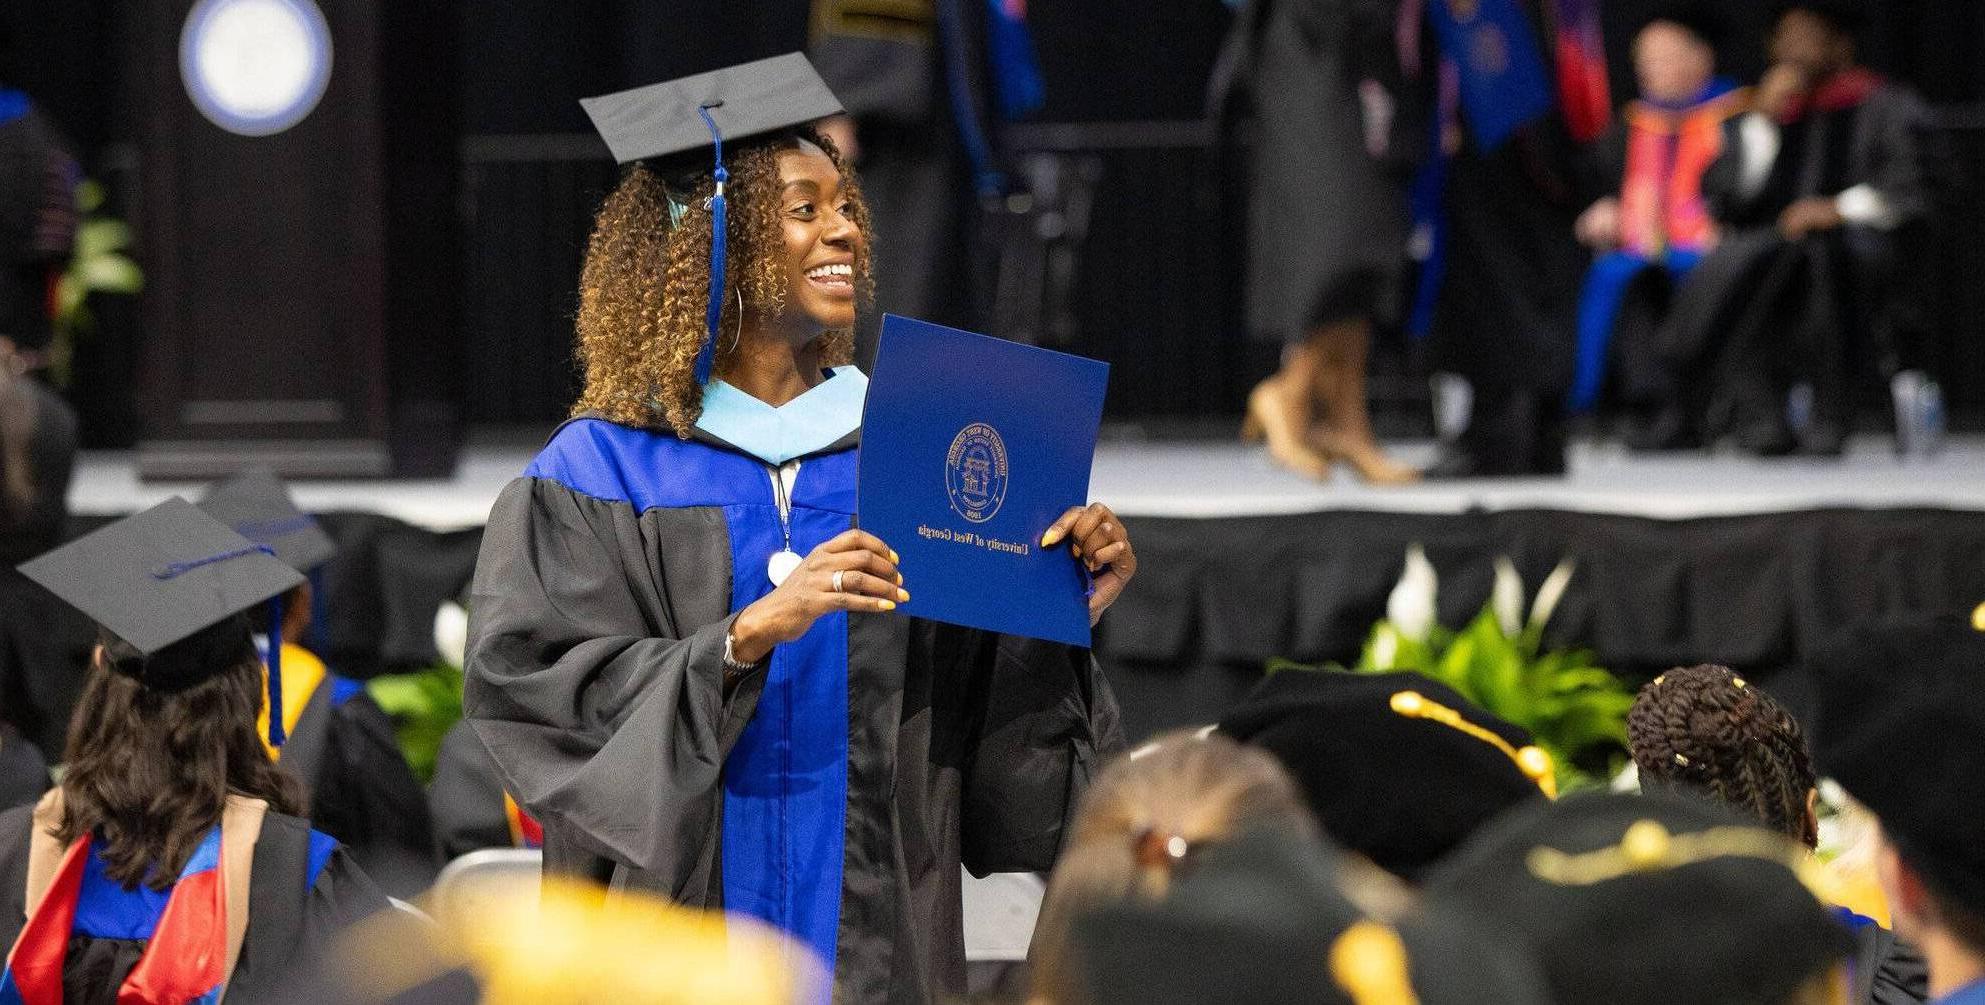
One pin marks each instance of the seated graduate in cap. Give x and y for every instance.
(1707, 731)
(336, 740)
(1901, 726)
(1147, 812)
(685, 663)
(1651, 899)
(1398, 767)
(1653, 223)
(1264, 912)
(168, 866)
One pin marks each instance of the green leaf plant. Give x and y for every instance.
(98, 264)
(1576, 710)
(426, 703)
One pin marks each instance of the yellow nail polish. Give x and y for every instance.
(887, 605)
(903, 596)
(1048, 539)
(899, 579)
(893, 560)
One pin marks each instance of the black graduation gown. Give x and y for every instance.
(292, 914)
(595, 678)
(23, 771)
(1326, 218)
(1505, 313)
(362, 792)
(466, 797)
(1762, 313)
(44, 643)
(37, 222)
(1885, 970)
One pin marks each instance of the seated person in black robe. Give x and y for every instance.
(471, 810)
(1196, 875)
(1650, 899)
(1815, 192)
(339, 743)
(169, 865)
(685, 702)
(44, 645)
(1900, 724)
(1706, 730)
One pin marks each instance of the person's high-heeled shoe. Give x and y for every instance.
(1364, 456)
(1269, 421)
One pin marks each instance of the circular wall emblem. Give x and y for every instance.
(255, 67)
(975, 472)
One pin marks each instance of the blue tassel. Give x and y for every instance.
(706, 358)
(275, 662)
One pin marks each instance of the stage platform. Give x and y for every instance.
(1680, 558)
(1210, 478)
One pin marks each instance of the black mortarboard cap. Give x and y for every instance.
(161, 576)
(1654, 899)
(1900, 724)
(257, 505)
(1397, 766)
(1260, 918)
(706, 111)
(746, 100)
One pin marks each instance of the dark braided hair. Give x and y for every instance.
(1707, 729)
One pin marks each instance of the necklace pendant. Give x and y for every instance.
(781, 565)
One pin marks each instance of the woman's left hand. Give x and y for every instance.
(1096, 538)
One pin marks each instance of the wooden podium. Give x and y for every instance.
(302, 294)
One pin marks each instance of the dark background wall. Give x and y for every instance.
(1155, 289)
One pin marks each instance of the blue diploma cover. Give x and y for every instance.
(971, 448)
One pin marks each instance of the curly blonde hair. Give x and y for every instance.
(645, 287)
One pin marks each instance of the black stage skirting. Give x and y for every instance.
(1216, 598)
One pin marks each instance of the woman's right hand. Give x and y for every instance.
(869, 583)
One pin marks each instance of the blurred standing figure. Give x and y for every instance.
(922, 82)
(37, 211)
(1504, 265)
(1326, 218)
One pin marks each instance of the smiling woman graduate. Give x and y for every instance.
(686, 703)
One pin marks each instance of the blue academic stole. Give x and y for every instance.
(786, 780)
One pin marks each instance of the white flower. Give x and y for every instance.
(451, 632)
(1507, 598)
(1410, 607)
(1550, 593)
(1385, 647)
